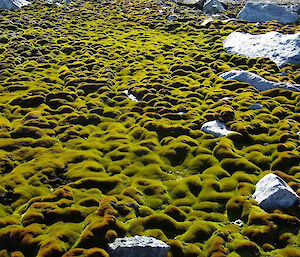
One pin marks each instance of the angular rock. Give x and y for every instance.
(273, 192)
(261, 12)
(138, 246)
(278, 47)
(216, 128)
(257, 81)
(213, 6)
(13, 4)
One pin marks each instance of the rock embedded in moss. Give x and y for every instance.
(273, 192)
(261, 12)
(216, 128)
(278, 47)
(138, 246)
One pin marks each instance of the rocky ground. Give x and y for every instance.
(102, 106)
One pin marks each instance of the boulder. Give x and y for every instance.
(261, 12)
(13, 4)
(138, 246)
(273, 192)
(278, 47)
(216, 128)
(213, 6)
(257, 81)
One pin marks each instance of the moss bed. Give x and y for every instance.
(82, 164)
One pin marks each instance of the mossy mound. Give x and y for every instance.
(102, 106)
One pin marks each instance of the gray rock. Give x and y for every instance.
(257, 81)
(198, 3)
(273, 192)
(172, 17)
(216, 128)
(294, 8)
(255, 107)
(12, 4)
(138, 246)
(278, 47)
(261, 12)
(213, 6)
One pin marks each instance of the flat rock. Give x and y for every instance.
(273, 192)
(213, 6)
(257, 81)
(191, 2)
(138, 246)
(216, 128)
(278, 47)
(13, 4)
(261, 12)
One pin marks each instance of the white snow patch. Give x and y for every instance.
(278, 47)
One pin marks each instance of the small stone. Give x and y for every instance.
(172, 17)
(216, 128)
(131, 96)
(255, 107)
(237, 222)
(273, 192)
(261, 12)
(138, 246)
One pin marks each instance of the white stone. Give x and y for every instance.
(12, 4)
(273, 192)
(237, 222)
(216, 128)
(138, 246)
(213, 6)
(131, 96)
(257, 81)
(261, 12)
(278, 47)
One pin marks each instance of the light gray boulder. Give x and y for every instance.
(138, 246)
(13, 4)
(261, 12)
(273, 192)
(213, 6)
(216, 128)
(278, 47)
(257, 81)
